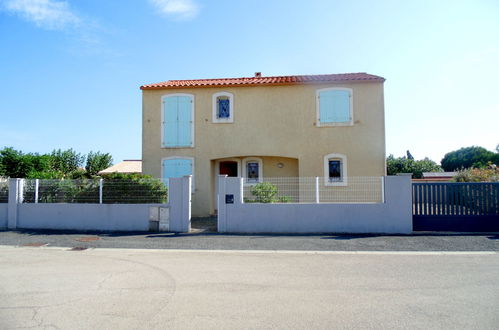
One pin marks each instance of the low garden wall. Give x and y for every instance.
(174, 216)
(394, 215)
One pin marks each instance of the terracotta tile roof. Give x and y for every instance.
(259, 81)
(126, 166)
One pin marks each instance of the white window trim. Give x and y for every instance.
(344, 169)
(260, 170)
(215, 108)
(179, 157)
(318, 108)
(163, 120)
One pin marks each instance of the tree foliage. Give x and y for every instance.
(15, 164)
(407, 165)
(65, 161)
(469, 157)
(97, 161)
(56, 165)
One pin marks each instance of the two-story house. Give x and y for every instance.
(331, 126)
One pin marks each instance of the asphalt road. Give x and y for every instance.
(213, 241)
(61, 288)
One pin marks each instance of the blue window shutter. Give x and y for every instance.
(170, 114)
(184, 123)
(184, 167)
(176, 168)
(334, 106)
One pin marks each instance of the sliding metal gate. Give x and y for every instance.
(464, 207)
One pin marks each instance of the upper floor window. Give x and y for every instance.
(223, 107)
(335, 170)
(334, 107)
(177, 121)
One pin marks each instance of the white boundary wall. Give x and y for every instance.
(100, 217)
(105, 217)
(394, 216)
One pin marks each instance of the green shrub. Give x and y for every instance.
(266, 192)
(117, 188)
(490, 174)
(133, 188)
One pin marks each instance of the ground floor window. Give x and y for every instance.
(177, 167)
(252, 170)
(335, 170)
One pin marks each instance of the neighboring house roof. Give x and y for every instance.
(126, 166)
(436, 177)
(258, 80)
(439, 174)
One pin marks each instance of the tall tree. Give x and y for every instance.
(65, 161)
(468, 157)
(406, 165)
(97, 161)
(15, 164)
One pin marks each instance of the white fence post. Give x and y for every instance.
(101, 183)
(37, 183)
(382, 189)
(317, 197)
(20, 191)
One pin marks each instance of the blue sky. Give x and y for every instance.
(70, 70)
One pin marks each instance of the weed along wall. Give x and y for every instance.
(393, 216)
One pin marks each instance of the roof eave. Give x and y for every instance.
(376, 80)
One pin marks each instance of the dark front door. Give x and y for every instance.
(229, 168)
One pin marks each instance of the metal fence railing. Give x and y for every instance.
(4, 190)
(100, 191)
(315, 190)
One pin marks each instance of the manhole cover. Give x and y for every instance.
(87, 239)
(78, 248)
(35, 244)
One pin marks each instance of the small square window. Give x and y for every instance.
(335, 171)
(252, 174)
(223, 107)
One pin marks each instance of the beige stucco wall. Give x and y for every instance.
(273, 121)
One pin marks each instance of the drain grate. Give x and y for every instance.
(78, 248)
(87, 239)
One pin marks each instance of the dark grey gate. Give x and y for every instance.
(465, 207)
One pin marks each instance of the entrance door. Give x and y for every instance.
(229, 168)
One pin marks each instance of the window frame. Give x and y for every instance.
(217, 120)
(178, 157)
(344, 169)
(244, 170)
(318, 107)
(193, 99)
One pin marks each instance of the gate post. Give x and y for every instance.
(14, 200)
(221, 206)
(180, 204)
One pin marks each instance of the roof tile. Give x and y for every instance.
(259, 81)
